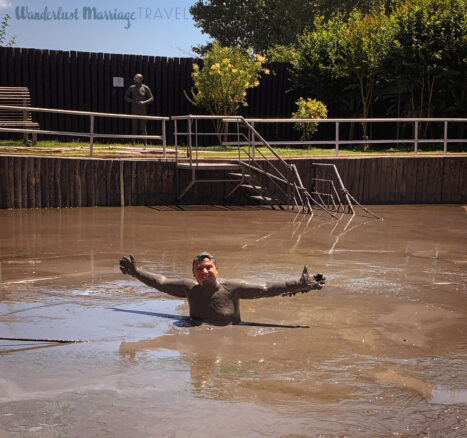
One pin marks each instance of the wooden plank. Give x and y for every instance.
(58, 182)
(423, 194)
(31, 192)
(74, 79)
(54, 85)
(398, 178)
(409, 180)
(17, 67)
(388, 181)
(11, 182)
(37, 182)
(44, 179)
(4, 183)
(418, 179)
(25, 67)
(133, 185)
(437, 180)
(60, 85)
(65, 179)
(453, 186)
(92, 182)
(18, 194)
(462, 192)
(361, 180)
(375, 182)
(84, 200)
(48, 118)
(430, 179)
(4, 64)
(124, 60)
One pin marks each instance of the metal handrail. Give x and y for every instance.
(337, 141)
(91, 134)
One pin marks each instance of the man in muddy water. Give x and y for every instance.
(213, 299)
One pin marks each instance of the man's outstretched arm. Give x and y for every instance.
(174, 287)
(306, 283)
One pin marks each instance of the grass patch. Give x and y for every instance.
(81, 149)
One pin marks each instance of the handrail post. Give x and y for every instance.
(415, 143)
(445, 148)
(176, 142)
(91, 134)
(164, 140)
(337, 139)
(189, 150)
(253, 139)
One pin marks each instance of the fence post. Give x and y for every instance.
(91, 134)
(445, 151)
(164, 140)
(337, 139)
(415, 143)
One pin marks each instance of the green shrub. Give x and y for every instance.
(309, 109)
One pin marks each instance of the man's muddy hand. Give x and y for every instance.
(128, 265)
(308, 282)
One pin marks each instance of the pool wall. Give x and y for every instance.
(36, 182)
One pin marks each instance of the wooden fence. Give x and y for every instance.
(35, 182)
(84, 81)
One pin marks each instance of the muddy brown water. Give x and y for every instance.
(384, 353)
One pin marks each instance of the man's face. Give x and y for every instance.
(137, 80)
(205, 272)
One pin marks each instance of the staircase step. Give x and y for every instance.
(261, 198)
(209, 166)
(250, 187)
(239, 174)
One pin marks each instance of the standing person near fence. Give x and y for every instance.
(139, 95)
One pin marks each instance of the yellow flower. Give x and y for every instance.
(234, 70)
(266, 71)
(260, 58)
(256, 83)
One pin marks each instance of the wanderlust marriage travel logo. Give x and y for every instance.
(91, 13)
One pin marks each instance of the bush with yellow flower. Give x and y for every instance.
(225, 74)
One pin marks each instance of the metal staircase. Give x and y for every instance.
(264, 179)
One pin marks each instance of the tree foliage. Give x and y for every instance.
(427, 62)
(264, 24)
(222, 80)
(4, 42)
(415, 55)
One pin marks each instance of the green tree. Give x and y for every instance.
(365, 42)
(221, 83)
(341, 60)
(263, 24)
(4, 42)
(427, 60)
(315, 63)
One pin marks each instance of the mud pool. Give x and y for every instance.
(384, 353)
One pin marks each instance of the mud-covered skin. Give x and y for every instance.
(219, 300)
